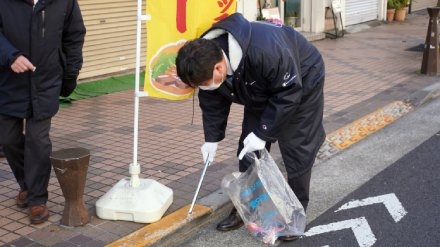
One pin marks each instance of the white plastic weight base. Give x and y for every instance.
(144, 203)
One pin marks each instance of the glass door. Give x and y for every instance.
(293, 14)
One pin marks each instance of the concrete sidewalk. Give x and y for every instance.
(372, 79)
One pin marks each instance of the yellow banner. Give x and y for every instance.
(172, 23)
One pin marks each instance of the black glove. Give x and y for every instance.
(69, 84)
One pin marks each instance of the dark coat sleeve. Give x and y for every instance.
(215, 110)
(73, 41)
(8, 52)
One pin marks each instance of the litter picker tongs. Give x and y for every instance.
(200, 184)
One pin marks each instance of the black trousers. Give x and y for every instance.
(27, 147)
(301, 139)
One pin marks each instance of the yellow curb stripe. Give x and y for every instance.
(361, 128)
(153, 232)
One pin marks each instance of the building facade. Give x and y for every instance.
(110, 45)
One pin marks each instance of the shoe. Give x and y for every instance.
(232, 222)
(288, 238)
(38, 213)
(21, 198)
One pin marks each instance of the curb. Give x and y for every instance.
(176, 227)
(178, 222)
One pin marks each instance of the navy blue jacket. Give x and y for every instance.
(51, 36)
(278, 67)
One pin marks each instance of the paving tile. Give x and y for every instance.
(22, 242)
(79, 239)
(64, 244)
(9, 237)
(25, 230)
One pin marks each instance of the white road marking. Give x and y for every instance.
(360, 227)
(390, 201)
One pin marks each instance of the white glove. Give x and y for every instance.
(208, 151)
(251, 143)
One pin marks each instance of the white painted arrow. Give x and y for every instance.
(390, 201)
(361, 229)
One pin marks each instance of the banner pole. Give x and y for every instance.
(134, 199)
(134, 166)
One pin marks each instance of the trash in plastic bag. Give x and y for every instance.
(265, 201)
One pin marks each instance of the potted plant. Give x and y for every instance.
(400, 14)
(391, 9)
(291, 19)
(260, 18)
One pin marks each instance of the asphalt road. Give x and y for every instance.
(383, 191)
(398, 207)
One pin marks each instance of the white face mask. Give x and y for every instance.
(211, 86)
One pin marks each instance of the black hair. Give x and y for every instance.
(195, 61)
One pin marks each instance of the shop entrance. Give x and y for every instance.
(293, 14)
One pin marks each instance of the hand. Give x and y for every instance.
(208, 151)
(22, 64)
(251, 143)
(69, 84)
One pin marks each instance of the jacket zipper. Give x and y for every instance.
(43, 30)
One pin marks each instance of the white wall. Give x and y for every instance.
(314, 16)
(248, 8)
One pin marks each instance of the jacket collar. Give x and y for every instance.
(235, 52)
(239, 33)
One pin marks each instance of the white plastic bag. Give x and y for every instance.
(264, 200)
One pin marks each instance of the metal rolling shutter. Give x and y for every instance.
(358, 11)
(422, 4)
(110, 43)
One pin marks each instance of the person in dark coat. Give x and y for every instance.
(41, 45)
(278, 76)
